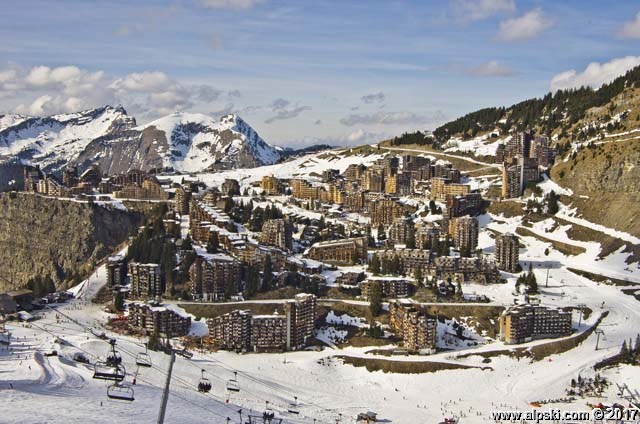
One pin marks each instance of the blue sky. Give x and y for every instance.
(343, 72)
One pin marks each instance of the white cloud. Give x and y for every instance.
(279, 103)
(475, 10)
(490, 69)
(391, 118)
(287, 114)
(43, 75)
(353, 138)
(207, 94)
(230, 4)
(359, 136)
(631, 29)
(525, 27)
(595, 74)
(374, 97)
(64, 89)
(143, 81)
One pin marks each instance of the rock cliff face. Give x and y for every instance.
(58, 238)
(605, 180)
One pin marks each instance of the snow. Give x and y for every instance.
(192, 153)
(194, 142)
(345, 319)
(331, 335)
(323, 383)
(547, 185)
(58, 137)
(308, 167)
(448, 337)
(480, 145)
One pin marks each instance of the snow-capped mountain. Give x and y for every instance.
(188, 142)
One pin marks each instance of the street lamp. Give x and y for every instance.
(599, 333)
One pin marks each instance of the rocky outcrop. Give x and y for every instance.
(56, 238)
(605, 180)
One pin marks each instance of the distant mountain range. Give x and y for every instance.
(187, 142)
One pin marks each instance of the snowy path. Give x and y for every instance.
(430, 152)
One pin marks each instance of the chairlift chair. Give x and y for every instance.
(293, 407)
(268, 413)
(119, 391)
(114, 358)
(184, 353)
(204, 385)
(104, 371)
(232, 384)
(143, 359)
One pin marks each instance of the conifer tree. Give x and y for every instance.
(375, 299)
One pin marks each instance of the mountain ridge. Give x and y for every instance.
(109, 137)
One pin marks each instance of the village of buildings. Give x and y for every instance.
(415, 234)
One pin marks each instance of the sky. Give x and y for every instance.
(306, 72)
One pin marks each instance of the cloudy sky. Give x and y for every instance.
(301, 72)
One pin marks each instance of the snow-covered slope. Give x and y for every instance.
(195, 142)
(55, 140)
(187, 142)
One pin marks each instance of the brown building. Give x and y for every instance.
(145, 280)
(410, 259)
(215, 277)
(271, 185)
(426, 235)
(511, 181)
(542, 151)
(155, 318)
(149, 190)
(418, 329)
(342, 252)
(301, 189)
(240, 330)
(401, 231)
(374, 179)
(116, 271)
(31, 177)
(70, 176)
(385, 211)
(301, 313)
(232, 331)
(507, 252)
(268, 333)
(442, 187)
(524, 323)
(474, 269)
(516, 174)
(278, 232)
(230, 187)
(392, 287)
(182, 200)
(465, 233)
(92, 176)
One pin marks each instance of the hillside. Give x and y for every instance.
(596, 134)
(31, 228)
(185, 142)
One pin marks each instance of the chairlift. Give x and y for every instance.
(119, 391)
(104, 371)
(268, 413)
(143, 359)
(114, 358)
(232, 384)
(293, 407)
(184, 353)
(204, 385)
